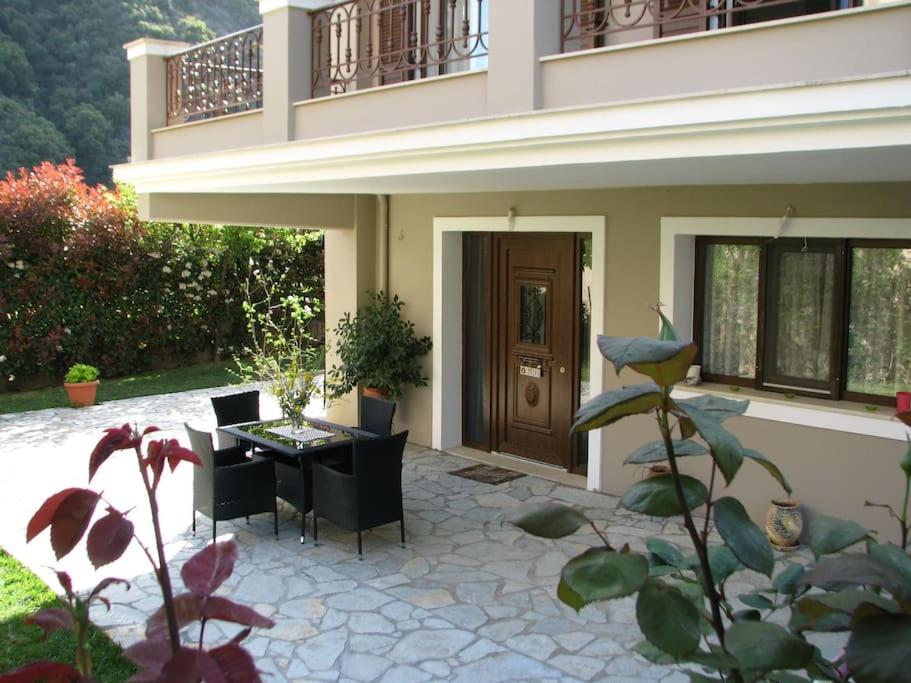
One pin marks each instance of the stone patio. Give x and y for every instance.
(471, 598)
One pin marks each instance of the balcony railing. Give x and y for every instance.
(597, 23)
(369, 43)
(223, 76)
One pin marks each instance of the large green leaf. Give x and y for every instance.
(879, 650)
(828, 535)
(716, 406)
(761, 646)
(721, 561)
(852, 569)
(724, 446)
(552, 520)
(769, 466)
(656, 452)
(668, 553)
(601, 574)
(834, 611)
(742, 536)
(657, 497)
(785, 581)
(611, 406)
(892, 555)
(668, 620)
(756, 600)
(666, 362)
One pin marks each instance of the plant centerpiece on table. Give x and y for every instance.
(81, 384)
(683, 605)
(377, 349)
(281, 352)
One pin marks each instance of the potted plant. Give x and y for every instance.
(81, 384)
(378, 350)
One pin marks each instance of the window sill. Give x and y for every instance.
(840, 416)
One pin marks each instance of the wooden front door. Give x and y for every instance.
(534, 332)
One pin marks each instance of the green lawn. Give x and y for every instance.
(200, 376)
(22, 593)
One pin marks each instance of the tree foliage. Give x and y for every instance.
(62, 62)
(83, 280)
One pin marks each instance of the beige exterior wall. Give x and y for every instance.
(831, 472)
(447, 98)
(823, 47)
(212, 135)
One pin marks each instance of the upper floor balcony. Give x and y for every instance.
(318, 71)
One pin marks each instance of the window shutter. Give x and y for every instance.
(393, 31)
(592, 18)
(681, 16)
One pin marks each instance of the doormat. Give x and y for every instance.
(487, 474)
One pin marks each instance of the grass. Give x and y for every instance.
(22, 593)
(201, 376)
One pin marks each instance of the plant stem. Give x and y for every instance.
(164, 577)
(601, 536)
(701, 548)
(708, 505)
(904, 517)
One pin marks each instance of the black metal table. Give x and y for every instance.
(294, 453)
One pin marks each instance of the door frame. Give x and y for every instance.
(446, 375)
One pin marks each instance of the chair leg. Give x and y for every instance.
(194, 522)
(315, 530)
(214, 533)
(303, 526)
(275, 519)
(360, 548)
(402, 523)
(248, 520)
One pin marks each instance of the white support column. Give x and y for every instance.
(148, 91)
(520, 33)
(286, 63)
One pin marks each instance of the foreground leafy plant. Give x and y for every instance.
(161, 656)
(682, 605)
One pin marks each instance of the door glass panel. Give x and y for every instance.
(477, 300)
(879, 329)
(730, 312)
(803, 312)
(532, 314)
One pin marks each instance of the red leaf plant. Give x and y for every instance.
(162, 657)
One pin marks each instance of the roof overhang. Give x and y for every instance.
(856, 130)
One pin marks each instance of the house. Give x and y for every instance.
(526, 174)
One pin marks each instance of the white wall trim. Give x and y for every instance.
(153, 47)
(266, 6)
(676, 283)
(446, 380)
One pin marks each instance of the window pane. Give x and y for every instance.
(731, 302)
(533, 302)
(803, 312)
(879, 329)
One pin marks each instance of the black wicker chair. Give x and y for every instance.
(294, 484)
(230, 485)
(367, 495)
(376, 415)
(234, 409)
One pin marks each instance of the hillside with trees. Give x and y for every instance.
(64, 78)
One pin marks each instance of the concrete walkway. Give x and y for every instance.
(471, 598)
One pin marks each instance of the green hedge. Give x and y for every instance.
(83, 280)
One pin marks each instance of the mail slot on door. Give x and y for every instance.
(530, 367)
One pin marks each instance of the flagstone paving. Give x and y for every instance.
(470, 598)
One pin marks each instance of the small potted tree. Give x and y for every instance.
(81, 384)
(378, 350)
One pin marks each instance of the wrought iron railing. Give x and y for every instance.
(596, 23)
(368, 43)
(223, 76)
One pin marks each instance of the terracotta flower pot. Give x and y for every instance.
(81, 394)
(783, 524)
(375, 392)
